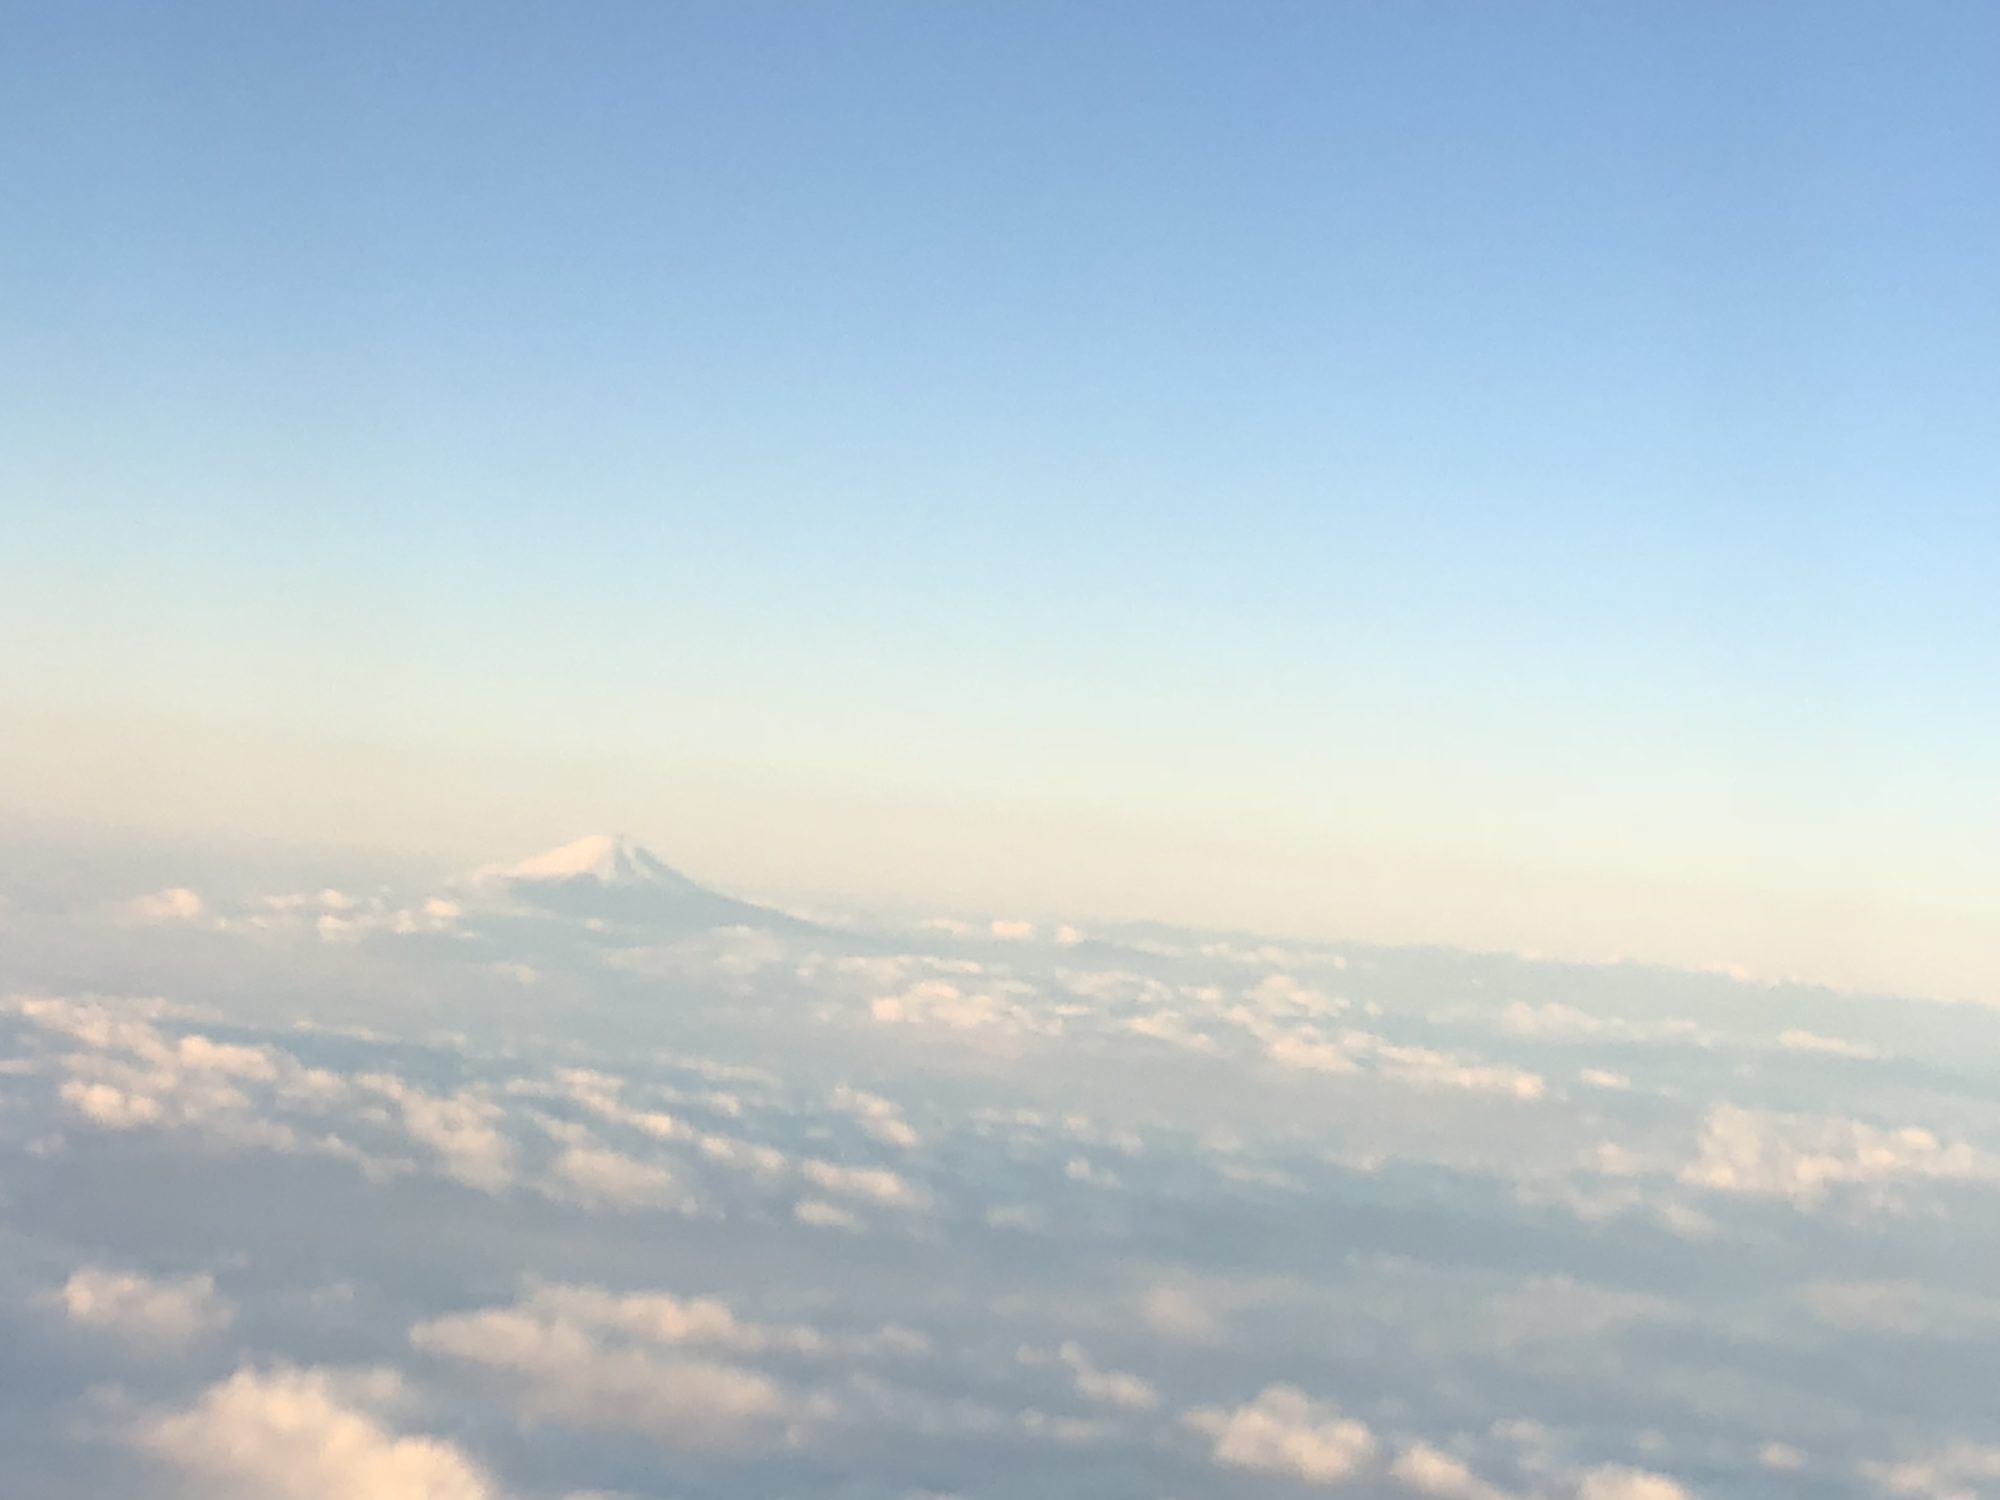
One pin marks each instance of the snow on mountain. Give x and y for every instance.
(613, 878)
(610, 859)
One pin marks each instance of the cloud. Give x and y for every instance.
(817, 1213)
(1432, 1471)
(458, 1129)
(1802, 1158)
(879, 1117)
(1421, 1067)
(1830, 1046)
(110, 1107)
(142, 1309)
(598, 1362)
(292, 1434)
(874, 1184)
(1176, 1313)
(1557, 1022)
(1284, 1431)
(128, 1075)
(1949, 1474)
(1616, 1482)
(1104, 1387)
(598, 1176)
(176, 904)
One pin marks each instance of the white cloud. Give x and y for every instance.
(289, 1434)
(1781, 1457)
(1284, 1431)
(1963, 1471)
(1105, 1387)
(1557, 1022)
(1176, 1313)
(817, 1213)
(1803, 1157)
(143, 1309)
(1617, 1482)
(459, 1129)
(175, 904)
(597, 1176)
(1831, 1046)
(874, 1184)
(1307, 1049)
(109, 1107)
(666, 1319)
(879, 1117)
(1312, 1056)
(595, 1361)
(128, 1075)
(1432, 1471)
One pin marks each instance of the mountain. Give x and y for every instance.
(610, 877)
(610, 859)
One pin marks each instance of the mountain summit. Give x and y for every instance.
(608, 877)
(610, 859)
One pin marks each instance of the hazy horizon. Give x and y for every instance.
(1518, 480)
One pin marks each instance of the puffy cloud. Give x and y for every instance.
(110, 1107)
(817, 1213)
(175, 904)
(1803, 1157)
(291, 1434)
(1284, 1431)
(1617, 1482)
(1106, 1387)
(1311, 1055)
(202, 1055)
(597, 1176)
(874, 1184)
(458, 1128)
(1781, 1457)
(1432, 1471)
(879, 1117)
(1422, 1067)
(128, 1074)
(142, 1309)
(557, 1329)
(595, 1361)
(745, 1156)
(602, 1095)
(999, 1006)
(1176, 1313)
(1962, 1471)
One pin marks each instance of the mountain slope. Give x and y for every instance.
(612, 878)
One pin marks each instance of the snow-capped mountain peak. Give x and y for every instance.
(609, 859)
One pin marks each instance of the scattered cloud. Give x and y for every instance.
(1284, 1431)
(293, 1434)
(142, 1309)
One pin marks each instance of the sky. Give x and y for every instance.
(1516, 476)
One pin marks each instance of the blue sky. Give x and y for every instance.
(1530, 464)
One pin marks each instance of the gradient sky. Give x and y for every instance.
(1518, 475)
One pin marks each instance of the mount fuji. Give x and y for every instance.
(612, 878)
